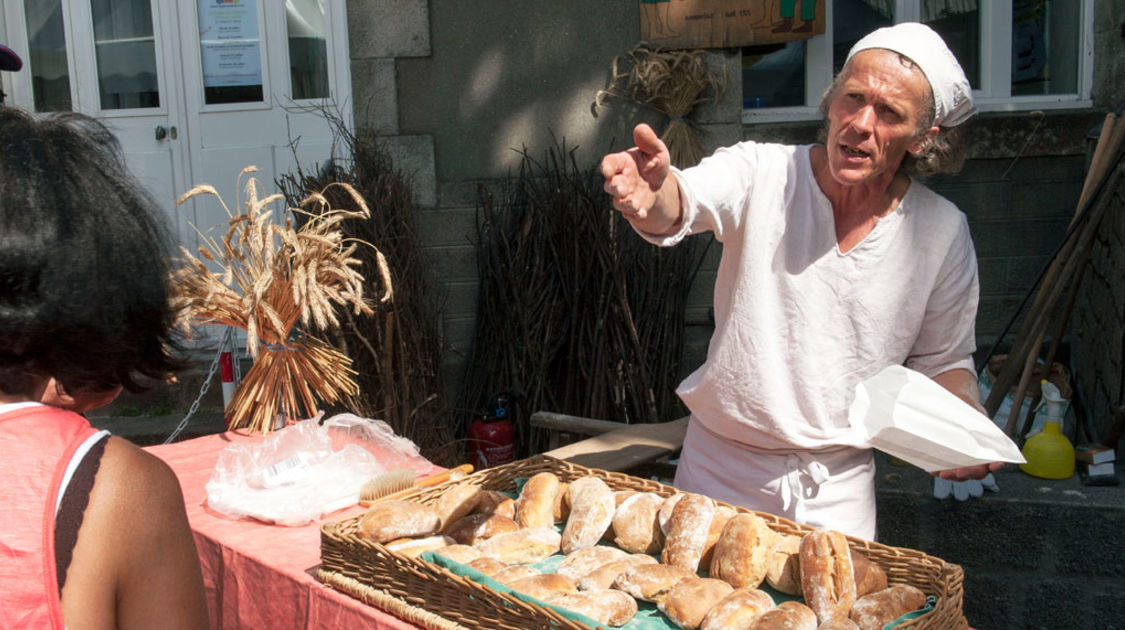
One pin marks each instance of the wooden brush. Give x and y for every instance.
(398, 482)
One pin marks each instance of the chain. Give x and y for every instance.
(203, 389)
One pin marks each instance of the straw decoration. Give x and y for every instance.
(279, 284)
(673, 83)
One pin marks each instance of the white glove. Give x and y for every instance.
(962, 490)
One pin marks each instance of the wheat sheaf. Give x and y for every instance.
(281, 284)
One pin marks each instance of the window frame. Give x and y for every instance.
(994, 94)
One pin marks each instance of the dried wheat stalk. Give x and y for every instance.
(279, 283)
(672, 83)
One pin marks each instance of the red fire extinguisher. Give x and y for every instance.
(492, 436)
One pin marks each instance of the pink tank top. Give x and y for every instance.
(36, 443)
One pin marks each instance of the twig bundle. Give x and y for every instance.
(673, 83)
(278, 283)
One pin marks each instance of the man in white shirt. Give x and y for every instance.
(836, 264)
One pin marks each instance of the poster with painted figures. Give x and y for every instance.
(679, 24)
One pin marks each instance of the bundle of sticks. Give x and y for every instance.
(279, 284)
(1055, 298)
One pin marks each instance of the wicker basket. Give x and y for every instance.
(456, 599)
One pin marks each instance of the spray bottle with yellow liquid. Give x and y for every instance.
(1049, 453)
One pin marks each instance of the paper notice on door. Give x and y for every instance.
(229, 44)
(906, 414)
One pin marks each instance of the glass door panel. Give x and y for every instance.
(230, 49)
(958, 23)
(47, 55)
(308, 49)
(125, 51)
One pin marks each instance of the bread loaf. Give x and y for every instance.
(493, 502)
(689, 601)
(604, 576)
(873, 611)
(686, 535)
(544, 585)
(562, 503)
(666, 508)
(741, 556)
(488, 566)
(389, 520)
(456, 502)
(414, 547)
(475, 527)
(619, 497)
(737, 610)
(636, 526)
(463, 554)
(591, 512)
(827, 574)
(869, 577)
(838, 624)
(650, 582)
(783, 569)
(787, 616)
(612, 608)
(522, 546)
(723, 515)
(580, 563)
(535, 506)
(515, 572)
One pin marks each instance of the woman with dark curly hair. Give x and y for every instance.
(93, 531)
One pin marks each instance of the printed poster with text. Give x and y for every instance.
(229, 43)
(678, 24)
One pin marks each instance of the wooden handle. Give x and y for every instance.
(431, 481)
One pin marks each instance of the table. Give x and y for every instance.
(258, 575)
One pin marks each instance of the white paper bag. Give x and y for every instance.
(906, 414)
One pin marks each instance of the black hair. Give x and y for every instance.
(83, 261)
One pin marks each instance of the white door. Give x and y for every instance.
(194, 89)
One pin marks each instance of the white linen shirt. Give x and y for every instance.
(798, 323)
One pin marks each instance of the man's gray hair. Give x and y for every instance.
(944, 153)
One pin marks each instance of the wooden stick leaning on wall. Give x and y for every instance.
(1064, 272)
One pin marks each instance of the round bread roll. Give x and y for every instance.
(456, 502)
(787, 616)
(475, 527)
(414, 547)
(488, 566)
(636, 526)
(463, 554)
(535, 506)
(651, 582)
(869, 577)
(493, 502)
(666, 508)
(580, 563)
(827, 574)
(838, 624)
(686, 535)
(689, 601)
(389, 520)
(783, 570)
(872, 612)
(522, 546)
(737, 610)
(591, 512)
(742, 553)
(515, 572)
(544, 585)
(612, 608)
(719, 521)
(603, 576)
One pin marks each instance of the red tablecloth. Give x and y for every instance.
(259, 575)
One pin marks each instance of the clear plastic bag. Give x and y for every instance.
(308, 469)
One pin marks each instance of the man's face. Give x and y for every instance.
(873, 117)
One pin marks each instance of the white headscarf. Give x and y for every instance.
(953, 96)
